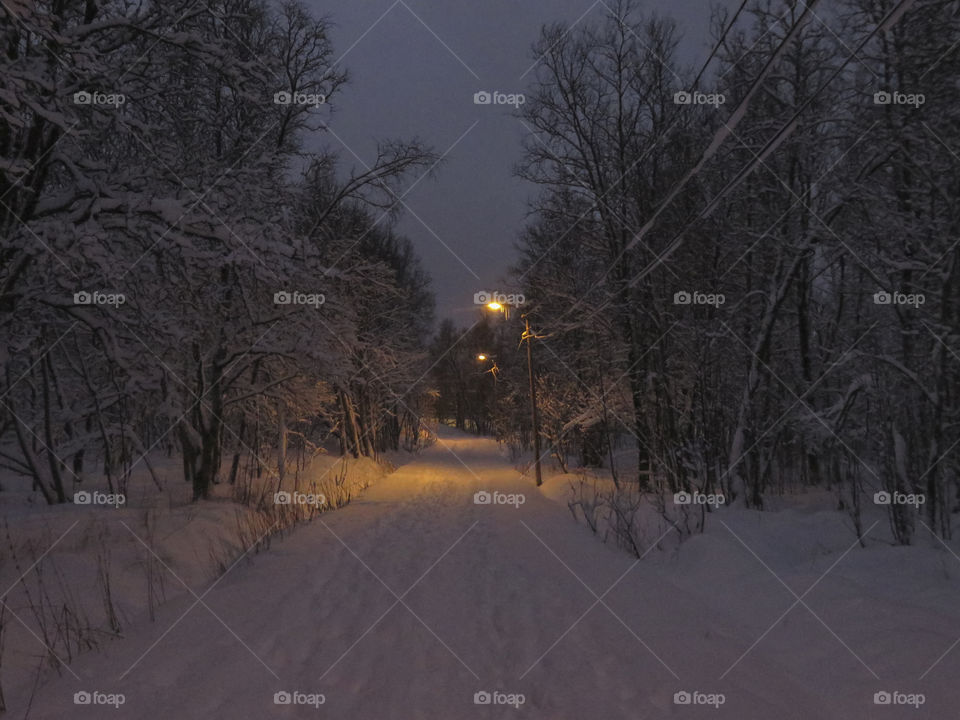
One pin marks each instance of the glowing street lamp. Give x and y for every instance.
(494, 369)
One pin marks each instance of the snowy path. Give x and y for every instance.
(413, 598)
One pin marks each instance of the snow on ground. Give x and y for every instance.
(150, 547)
(415, 598)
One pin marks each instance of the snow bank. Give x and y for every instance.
(76, 575)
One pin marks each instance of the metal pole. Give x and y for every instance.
(533, 403)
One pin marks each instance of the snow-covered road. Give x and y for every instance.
(414, 598)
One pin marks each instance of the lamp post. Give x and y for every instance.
(493, 370)
(529, 336)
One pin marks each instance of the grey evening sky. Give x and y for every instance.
(415, 66)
